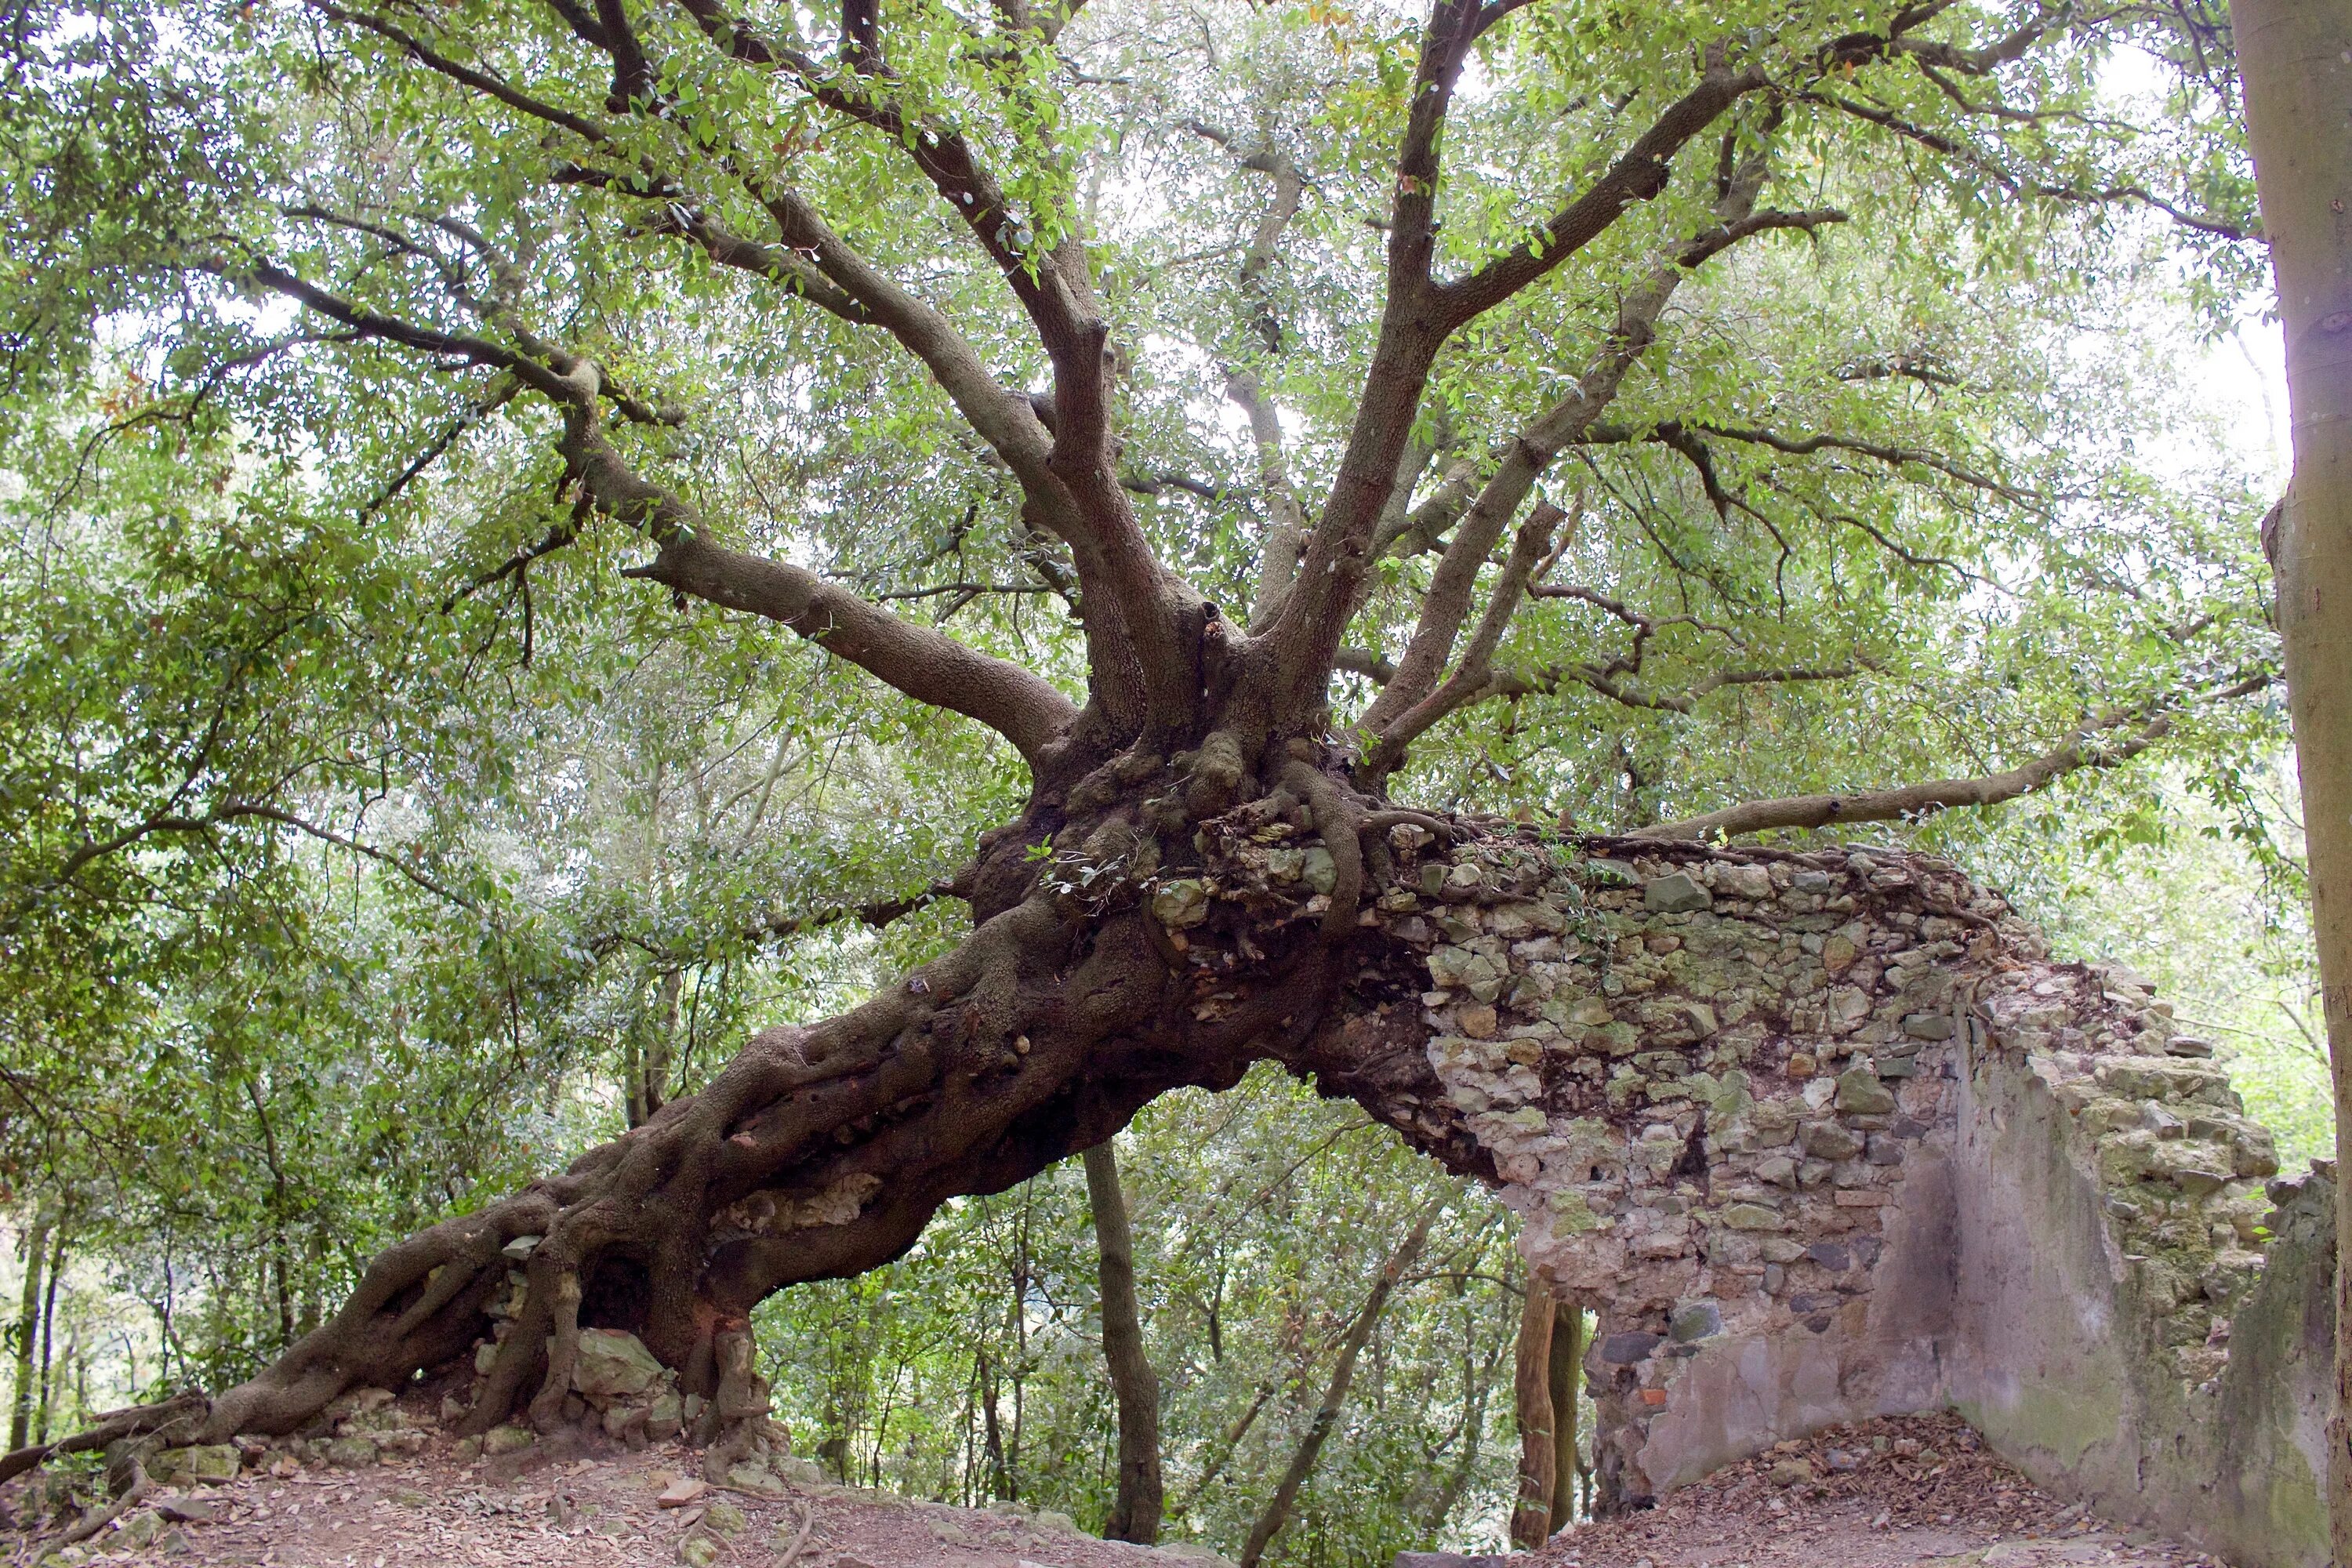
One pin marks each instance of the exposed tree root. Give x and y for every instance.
(135, 1421)
(822, 1152)
(791, 1554)
(98, 1517)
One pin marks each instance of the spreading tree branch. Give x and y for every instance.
(925, 664)
(2106, 741)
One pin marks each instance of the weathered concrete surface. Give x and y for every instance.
(2088, 1354)
(1823, 1137)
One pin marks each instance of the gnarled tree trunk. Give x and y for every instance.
(1304, 923)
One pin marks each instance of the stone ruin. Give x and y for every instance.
(1823, 1137)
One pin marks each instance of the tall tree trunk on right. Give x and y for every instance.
(1135, 1511)
(2295, 57)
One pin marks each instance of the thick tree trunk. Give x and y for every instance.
(1539, 1460)
(1135, 1511)
(2296, 60)
(1567, 1380)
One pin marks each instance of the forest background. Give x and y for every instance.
(353, 876)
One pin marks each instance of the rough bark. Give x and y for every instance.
(1539, 1461)
(2296, 62)
(1135, 1510)
(1567, 1381)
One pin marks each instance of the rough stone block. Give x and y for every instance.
(1695, 1321)
(612, 1364)
(351, 1453)
(1860, 1093)
(507, 1439)
(208, 1462)
(1676, 893)
(1628, 1349)
(1829, 1141)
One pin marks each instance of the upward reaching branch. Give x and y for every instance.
(1640, 173)
(1420, 315)
(1142, 621)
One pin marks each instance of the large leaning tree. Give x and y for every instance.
(1315, 414)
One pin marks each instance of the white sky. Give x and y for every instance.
(2245, 377)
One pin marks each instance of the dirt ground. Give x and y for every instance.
(560, 1506)
(1885, 1494)
(1913, 1491)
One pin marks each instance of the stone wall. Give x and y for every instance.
(1820, 1137)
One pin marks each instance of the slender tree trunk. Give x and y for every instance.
(1476, 1381)
(2296, 60)
(1000, 1474)
(281, 1250)
(1135, 1510)
(1532, 1518)
(632, 1072)
(1567, 1385)
(28, 1328)
(646, 1052)
(48, 1330)
(1277, 1512)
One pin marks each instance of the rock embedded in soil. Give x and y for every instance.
(612, 1364)
(679, 1493)
(351, 1453)
(507, 1439)
(210, 1462)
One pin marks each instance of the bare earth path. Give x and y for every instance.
(1887, 1495)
